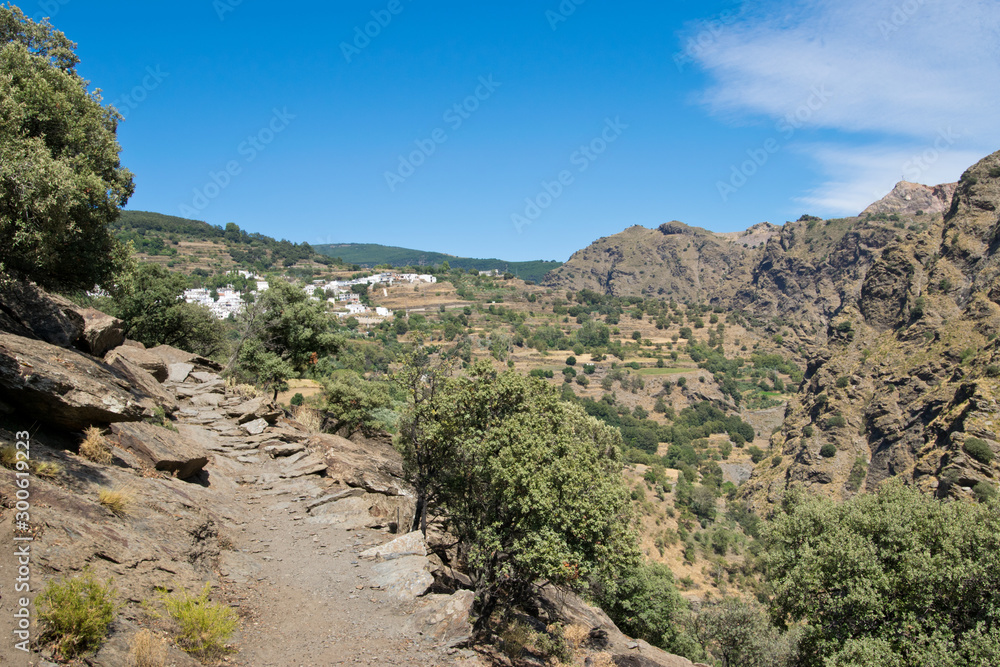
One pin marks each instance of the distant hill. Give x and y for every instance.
(372, 254)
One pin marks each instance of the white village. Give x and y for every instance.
(345, 302)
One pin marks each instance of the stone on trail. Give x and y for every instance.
(403, 578)
(256, 427)
(284, 449)
(178, 372)
(444, 618)
(162, 449)
(411, 544)
(145, 360)
(310, 465)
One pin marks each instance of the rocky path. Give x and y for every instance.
(295, 565)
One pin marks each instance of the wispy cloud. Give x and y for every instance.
(899, 72)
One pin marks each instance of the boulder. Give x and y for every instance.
(163, 450)
(411, 544)
(560, 605)
(256, 427)
(63, 386)
(139, 356)
(444, 618)
(101, 333)
(284, 449)
(206, 400)
(152, 393)
(403, 578)
(29, 311)
(177, 372)
(373, 466)
(202, 376)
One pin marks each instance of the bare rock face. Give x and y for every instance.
(27, 310)
(163, 450)
(557, 604)
(101, 333)
(909, 198)
(152, 393)
(149, 362)
(172, 355)
(65, 387)
(444, 618)
(411, 544)
(373, 466)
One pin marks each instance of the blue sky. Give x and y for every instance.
(526, 130)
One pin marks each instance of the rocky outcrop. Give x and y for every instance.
(163, 450)
(29, 311)
(913, 198)
(149, 362)
(65, 387)
(101, 333)
(371, 465)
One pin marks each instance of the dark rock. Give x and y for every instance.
(29, 311)
(101, 333)
(65, 387)
(162, 449)
(139, 356)
(151, 393)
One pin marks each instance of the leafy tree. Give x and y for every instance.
(896, 577)
(61, 181)
(534, 492)
(738, 633)
(258, 366)
(356, 404)
(149, 303)
(644, 603)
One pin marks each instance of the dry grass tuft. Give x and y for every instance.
(575, 635)
(311, 418)
(48, 469)
(245, 391)
(117, 500)
(602, 660)
(96, 447)
(147, 650)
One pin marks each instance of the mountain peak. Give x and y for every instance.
(909, 198)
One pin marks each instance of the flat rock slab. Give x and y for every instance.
(202, 376)
(411, 544)
(334, 497)
(154, 395)
(63, 386)
(162, 449)
(206, 400)
(178, 372)
(256, 427)
(404, 578)
(284, 449)
(142, 358)
(373, 466)
(310, 465)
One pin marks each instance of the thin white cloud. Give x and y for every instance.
(857, 177)
(900, 67)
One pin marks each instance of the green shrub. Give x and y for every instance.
(776, 460)
(828, 451)
(298, 399)
(843, 381)
(836, 421)
(807, 430)
(77, 612)
(571, 361)
(858, 473)
(756, 454)
(204, 626)
(984, 491)
(978, 449)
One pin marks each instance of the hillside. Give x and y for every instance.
(372, 254)
(894, 314)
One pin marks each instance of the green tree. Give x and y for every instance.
(534, 492)
(149, 303)
(61, 180)
(356, 404)
(738, 633)
(895, 574)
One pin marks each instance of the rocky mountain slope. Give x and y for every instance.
(895, 314)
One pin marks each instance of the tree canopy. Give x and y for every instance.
(61, 180)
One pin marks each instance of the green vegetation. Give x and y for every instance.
(204, 626)
(979, 449)
(76, 613)
(372, 255)
(890, 578)
(61, 181)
